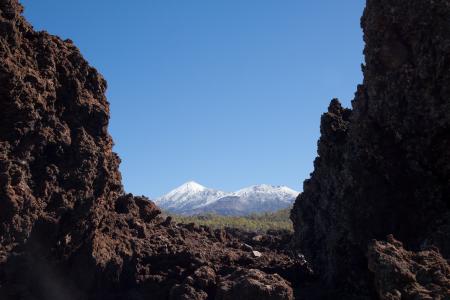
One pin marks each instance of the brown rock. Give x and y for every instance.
(205, 277)
(384, 166)
(186, 292)
(254, 284)
(401, 274)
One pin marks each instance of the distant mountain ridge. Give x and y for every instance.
(193, 198)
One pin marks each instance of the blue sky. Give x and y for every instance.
(227, 93)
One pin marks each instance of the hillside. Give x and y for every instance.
(261, 222)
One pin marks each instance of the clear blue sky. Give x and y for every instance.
(228, 93)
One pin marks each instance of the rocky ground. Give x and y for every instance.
(69, 231)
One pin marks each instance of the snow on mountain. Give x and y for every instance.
(193, 198)
(188, 197)
(264, 193)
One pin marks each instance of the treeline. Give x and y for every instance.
(255, 222)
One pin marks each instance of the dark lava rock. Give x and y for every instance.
(400, 274)
(205, 277)
(383, 167)
(254, 284)
(67, 229)
(186, 292)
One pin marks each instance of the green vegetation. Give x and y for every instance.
(255, 222)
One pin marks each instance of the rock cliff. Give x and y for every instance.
(383, 167)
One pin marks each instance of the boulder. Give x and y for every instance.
(254, 284)
(401, 274)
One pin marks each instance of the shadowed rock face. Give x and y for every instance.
(67, 229)
(384, 166)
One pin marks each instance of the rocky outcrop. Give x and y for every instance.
(383, 167)
(56, 154)
(67, 229)
(400, 274)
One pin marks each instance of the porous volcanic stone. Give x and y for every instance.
(383, 167)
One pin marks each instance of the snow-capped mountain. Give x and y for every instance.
(193, 198)
(188, 197)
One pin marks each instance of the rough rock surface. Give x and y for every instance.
(67, 229)
(253, 284)
(383, 167)
(400, 274)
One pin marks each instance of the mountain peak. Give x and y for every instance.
(192, 186)
(189, 195)
(187, 189)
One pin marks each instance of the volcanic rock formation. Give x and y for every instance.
(67, 229)
(383, 167)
